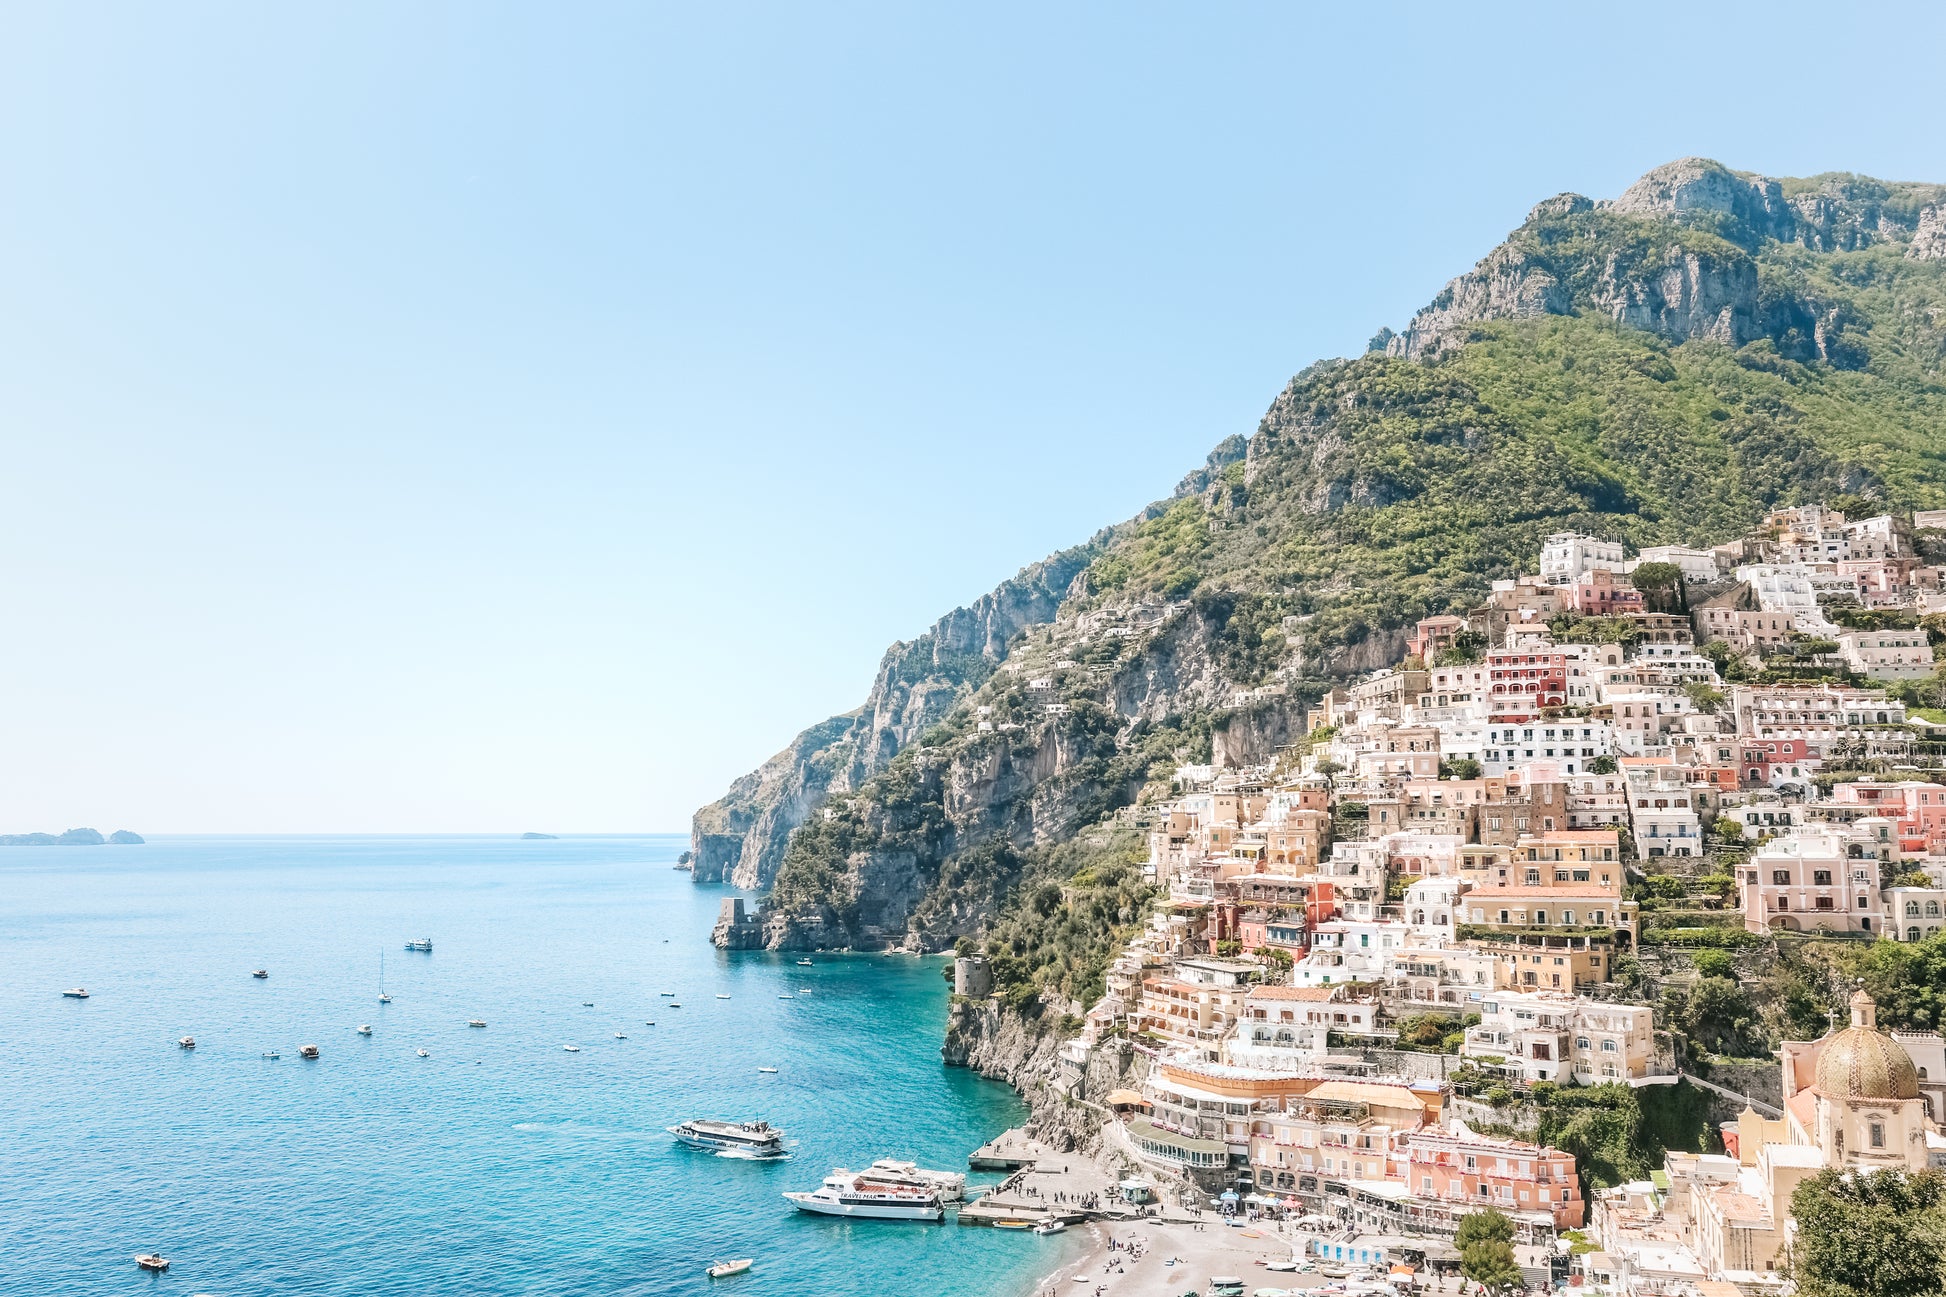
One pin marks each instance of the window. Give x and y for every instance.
(1878, 1135)
(1780, 877)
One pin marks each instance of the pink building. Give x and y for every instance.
(1919, 810)
(1818, 880)
(1452, 1166)
(1601, 593)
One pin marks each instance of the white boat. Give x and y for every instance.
(422, 1053)
(787, 997)
(364, 1028)
(423, 945)
(667, 995)
(1050, 1226)
(260, 974)
(949, 1185)
(721, 996)
(771, 1070)
(475, 1022)
(874, 1195)
(187, 1042)
(572, 1049)
(587, 1004)
(307, 1051)
(649, 1023)
(805, 991)
(271, 1053)
(803, 963)
(383, 998)
(724, 1269)
(77, 993)
(621, 1035)
(674, 1005)
(743, 1138)
(150, 1261)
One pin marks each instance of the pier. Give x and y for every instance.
(1044, 1183)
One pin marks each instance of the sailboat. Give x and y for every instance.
(383, 998)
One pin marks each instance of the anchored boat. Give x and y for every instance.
(886, 1190)
(724, 1269)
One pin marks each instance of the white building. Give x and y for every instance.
(1345, 950)
(1696, 564)
(1550, 1036)
(1888, 654)
(1574, 742)
(1430, 905)
(1566, 555)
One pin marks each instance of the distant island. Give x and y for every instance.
(72, 838)
(539, 837)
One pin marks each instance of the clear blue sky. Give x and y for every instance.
(476, 417)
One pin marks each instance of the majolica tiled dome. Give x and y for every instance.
(1862, 1062)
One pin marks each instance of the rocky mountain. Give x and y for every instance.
(72, 838)
(1656, 368)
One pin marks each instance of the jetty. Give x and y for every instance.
(1044, 1184)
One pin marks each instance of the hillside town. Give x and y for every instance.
(1612, 764)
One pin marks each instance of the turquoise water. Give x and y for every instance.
(500, 1164)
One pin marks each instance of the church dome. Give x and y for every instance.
(1862, 1062)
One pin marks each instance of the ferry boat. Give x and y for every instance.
(744, 1138)
(424, 944)
(877, 1195)
(949, 1185)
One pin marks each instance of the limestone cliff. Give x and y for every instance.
(1005, 1044)
(1659, 368)
(741, 837)
(1673, 256)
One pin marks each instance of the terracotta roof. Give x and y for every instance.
(1572, 891)
(1291, 992)
(1389, 1096)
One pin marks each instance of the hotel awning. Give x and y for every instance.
(1125, 1099)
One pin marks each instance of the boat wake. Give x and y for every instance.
(744, 1155)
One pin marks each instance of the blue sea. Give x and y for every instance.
(502, 1163)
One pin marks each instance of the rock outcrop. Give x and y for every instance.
(741, 837)
(1003, 1044)
(1671, 256)
(1929, 239)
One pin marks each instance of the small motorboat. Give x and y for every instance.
(770, 1070)
(649, 1023)
(572, 1049)
(187, 1042)
(674, 1005)
(724, 1269)
(805, 991)
(667, 995)
(475, 1022)
(803, 963)
(422, 1053)
(1013, 1224)
(423, 945)
(364, 1028)
(1051, 1226)
(78, 993)
(307, 1051)
(271, 1053)
(787, 997)
(587, 1004)
(621, 1035)
(150, 1261)
(721, 996)
(260, 974)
